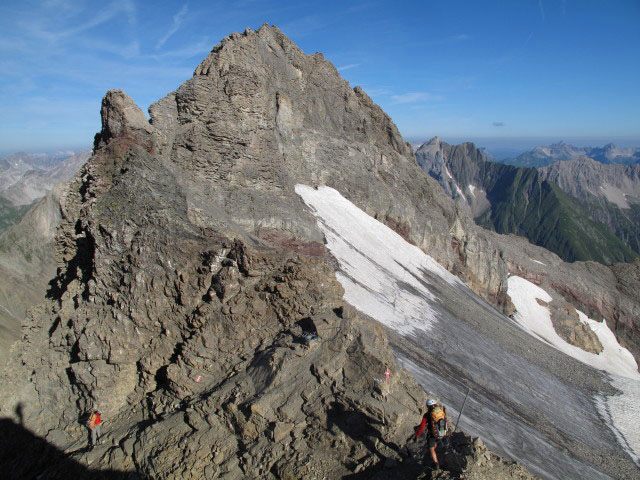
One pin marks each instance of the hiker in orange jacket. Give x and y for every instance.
(435, 421)
(94, 423)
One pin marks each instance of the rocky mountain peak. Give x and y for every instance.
(288, 89)
(121, 117)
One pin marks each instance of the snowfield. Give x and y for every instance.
(448, 172)
(369, 256)
(623, 409)
(451, 340)
(536, 319)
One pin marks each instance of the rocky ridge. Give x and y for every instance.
(193, 301)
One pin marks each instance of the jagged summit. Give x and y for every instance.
(300, 122)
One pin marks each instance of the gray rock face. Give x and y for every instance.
(611, 193)
(465, 184)
(584, 179)
(194, 303)
(566, 323)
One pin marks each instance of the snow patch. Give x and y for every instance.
(536, 319)
(472, 189)
(615, 195)
(622, 413)
(539, 262)
(448, 172)
(383, 275)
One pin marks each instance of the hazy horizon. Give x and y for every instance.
(506, 147)
(500, 147)
(554, 70)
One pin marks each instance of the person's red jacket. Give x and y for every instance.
(94, 420)
(423, 424)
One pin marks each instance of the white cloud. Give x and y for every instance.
(347, 67)
(188, 51)
(413, 97)
(178, 19)
(376, 91)
(38, 30)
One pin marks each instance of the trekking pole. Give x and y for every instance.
(462, 409)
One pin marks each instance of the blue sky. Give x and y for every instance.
(517, 69)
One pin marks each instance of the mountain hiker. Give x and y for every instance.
(94, 423)
(435, 421)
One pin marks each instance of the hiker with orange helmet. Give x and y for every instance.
(435, 421)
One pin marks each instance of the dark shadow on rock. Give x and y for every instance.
(407, 471)
(454, 452)
(20, 413)
(26, 456)
(360, 427)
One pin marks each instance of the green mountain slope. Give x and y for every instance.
(525, 205)
(609, 193)
(517, 200)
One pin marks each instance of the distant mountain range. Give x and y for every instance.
(542, 156)
(27, 177)
(521, 201)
